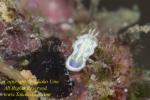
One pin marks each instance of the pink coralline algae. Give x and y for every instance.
(56, 11)
(62, 7)
(17, 41)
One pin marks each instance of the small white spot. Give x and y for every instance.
(125, 90)
(93, 77)
(118, 80)
(71, 94)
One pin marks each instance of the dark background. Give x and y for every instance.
(142, 59)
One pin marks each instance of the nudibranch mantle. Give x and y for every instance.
(83, 48)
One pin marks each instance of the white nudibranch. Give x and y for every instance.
(83, 47)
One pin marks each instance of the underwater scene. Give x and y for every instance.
(74, 50)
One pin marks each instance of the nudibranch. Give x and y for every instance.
(83, 48)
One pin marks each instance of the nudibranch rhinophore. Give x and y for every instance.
(83, 48)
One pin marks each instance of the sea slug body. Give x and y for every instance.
(83, 47)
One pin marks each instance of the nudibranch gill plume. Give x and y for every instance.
(83, 48)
